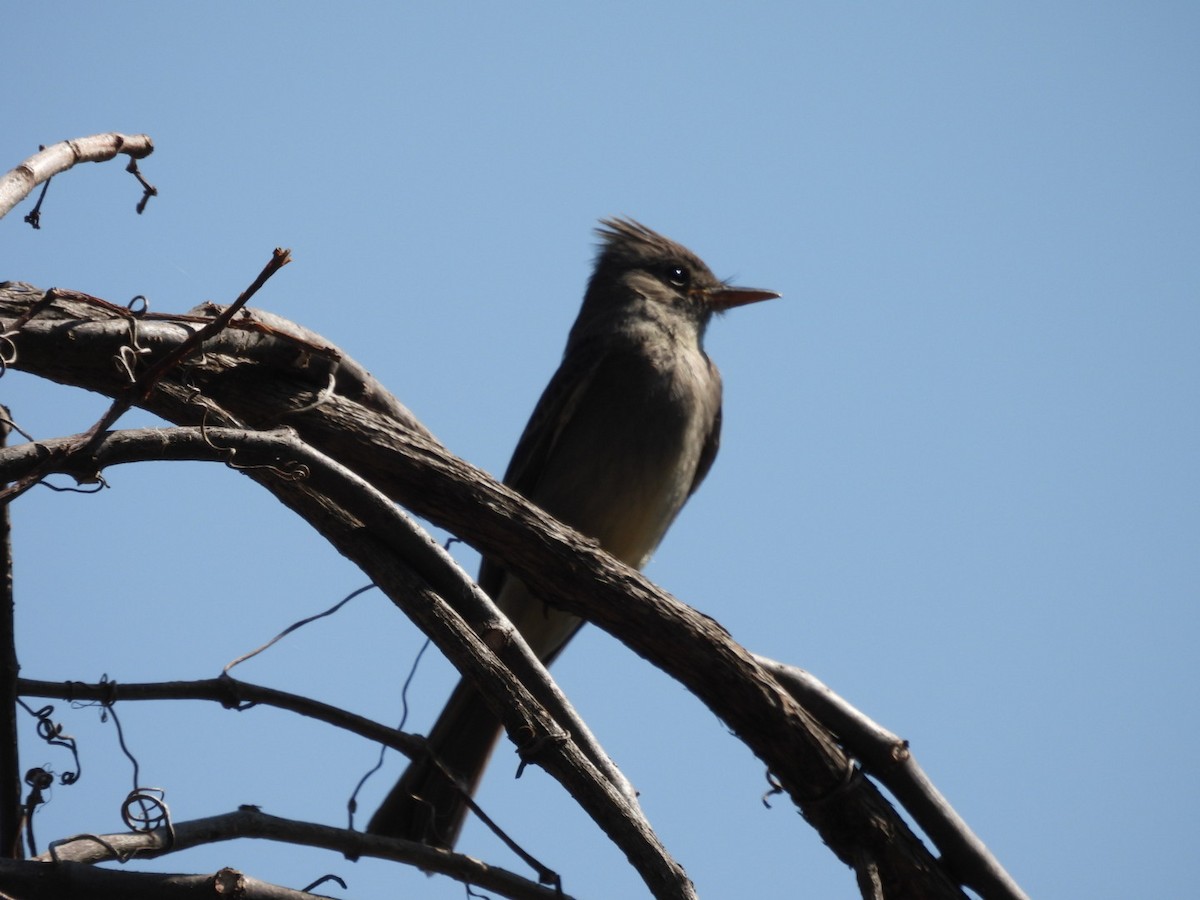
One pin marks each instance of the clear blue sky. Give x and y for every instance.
(959, 476)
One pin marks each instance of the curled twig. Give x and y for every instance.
(145, 810)
(51, 732)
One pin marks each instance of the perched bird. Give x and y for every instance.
(624, 433)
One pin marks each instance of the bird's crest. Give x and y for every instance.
(629, 242)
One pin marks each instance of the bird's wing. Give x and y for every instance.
(712, 441)
(553, 411)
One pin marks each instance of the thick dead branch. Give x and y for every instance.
(16, 184)
(850, 814)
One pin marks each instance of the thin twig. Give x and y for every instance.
(145, 383)
(230, 693)
(294, 626)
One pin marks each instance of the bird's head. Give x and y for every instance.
(642, 275)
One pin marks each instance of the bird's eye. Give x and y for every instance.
(678, 276)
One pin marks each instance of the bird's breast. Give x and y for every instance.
(625, 459)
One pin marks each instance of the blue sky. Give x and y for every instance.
(958, 477)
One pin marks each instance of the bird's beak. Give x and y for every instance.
(724, 298)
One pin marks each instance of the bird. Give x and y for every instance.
(625, 431)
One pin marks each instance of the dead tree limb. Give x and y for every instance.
(16, 184)
(412, 468)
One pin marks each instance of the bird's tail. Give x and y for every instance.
(425, 805)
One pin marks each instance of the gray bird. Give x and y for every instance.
(624, 433)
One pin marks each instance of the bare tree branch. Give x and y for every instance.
(249, 822)
(16, 184)
(230, 693)
(852, 817)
